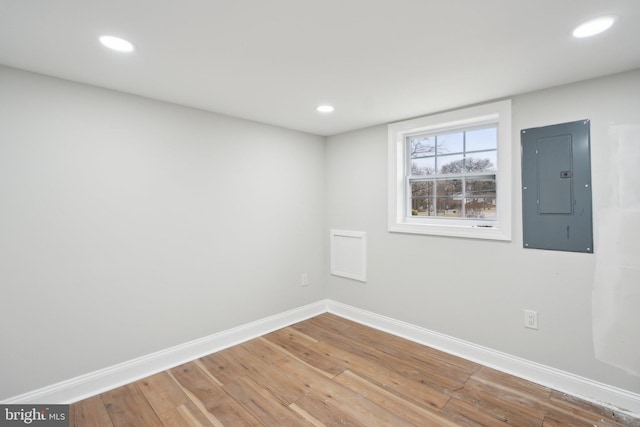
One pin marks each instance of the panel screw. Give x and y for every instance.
(586, 185)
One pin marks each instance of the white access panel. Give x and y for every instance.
(349, 254)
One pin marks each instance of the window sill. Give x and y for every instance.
(469, 232)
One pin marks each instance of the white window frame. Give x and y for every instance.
(399, 215)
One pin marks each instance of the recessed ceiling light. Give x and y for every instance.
(116, 43)
(325, 108)
(593, 27)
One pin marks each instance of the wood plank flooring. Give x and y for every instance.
(328, 371)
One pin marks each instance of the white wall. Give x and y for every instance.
(477, 290)
(129, 226)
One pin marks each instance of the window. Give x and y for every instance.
(450, 174)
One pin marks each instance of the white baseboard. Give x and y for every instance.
(94, 383)
(602, 394)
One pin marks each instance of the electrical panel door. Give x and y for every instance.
(556, 187)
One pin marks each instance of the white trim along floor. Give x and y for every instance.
(94, 383)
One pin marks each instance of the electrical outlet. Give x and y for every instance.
(531, 319)
(304, 279)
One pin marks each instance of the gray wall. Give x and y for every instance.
(477, 290)
(129, 226)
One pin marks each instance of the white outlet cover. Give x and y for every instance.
(531, 319)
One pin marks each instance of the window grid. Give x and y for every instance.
(439, 177)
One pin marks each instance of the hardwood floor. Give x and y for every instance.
(328, 371)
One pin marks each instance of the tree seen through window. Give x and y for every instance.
(453, 175)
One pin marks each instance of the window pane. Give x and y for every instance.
(481, 208)
(482, 139)
(423, 166)
(450, 143)
(420, 146)
(449, 188)
(481, 187)
(451, 164)
(422, 189)
(449, 207)
(481, 162)
(449, 198)
(422, 198)
(422, 207)
(481, 198)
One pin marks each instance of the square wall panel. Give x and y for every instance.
(349, 254)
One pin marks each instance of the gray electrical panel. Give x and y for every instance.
(556, 187)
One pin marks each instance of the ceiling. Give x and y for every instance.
(274, 61)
